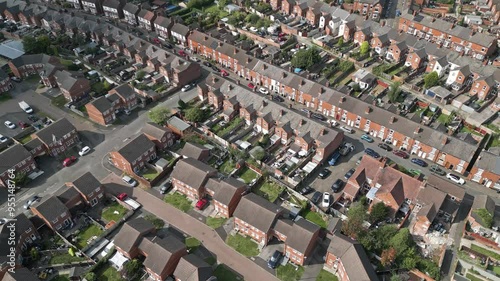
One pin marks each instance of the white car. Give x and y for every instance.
(456, 179)
(325, 203)
(195, 59)
(10, 125)
(263, 90)
(84, 151)
(334, 123)
(347, 129)
(186, 88)
(130, 181)
(3, 139)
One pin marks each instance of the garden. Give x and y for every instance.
(314, 217)
(223, 273)
(243, 245)
(215, 222)
(269, 190)
(289, 272)
(179, 201)
(150, 174)
(64, 258)
(86, 236)
(113, 212)
(326, 276)
(247, 175)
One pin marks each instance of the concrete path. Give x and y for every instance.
(208, 236)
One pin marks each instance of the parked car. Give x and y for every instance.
(305, 190)
(186, 88)
(30, 202)
(122, 196)
(3, 138)
(349, 173)
(166, 187)
(325, 203)
(130, 181)
(419, 162)
(436, 170)
(10, 125)
(278, 98)
(324, 173)
(23, 125)
(207, 64)
(334, 123)
(201, 204)
(337, 185)
(385, 146)
(195, 59)
(32, 118)
(3, 221)
(215, 68)
(182, 53)
(15, 79)
(264, 91)
(274, 260)
(68, 161)
(318, 116)
(168, 45)
(367, 138)
(224, 73)
(85, 150)
(347, 129)
(372, 153)
(456, 179)
(359, 160)
(316, 197)
(251, 86)
(402, 154)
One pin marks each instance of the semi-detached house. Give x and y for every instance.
(134, 155)
(57, 137)
(15, 158)
(113, 9)
(190, 176)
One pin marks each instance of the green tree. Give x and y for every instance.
(34, 254)
(140, 74)
(356, 215)
(431, 80)
(182, 105)
(345, 66)
(258, 154)
(379, 211)
(376, 240)
(305, 59)
(402, 241)
(20, 178)
(340, 43)
(252, 18)
(430, 268)
(394, 92)
(131, 268)
(29, 44)
(91, 276)
(159, 115)
(106, 85)
(396, 277)
(157, 222)
(364, 48)
(194, 114)
(223, 3)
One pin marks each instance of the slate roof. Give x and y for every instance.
(67, 80)
(193, 150)
(131, 232)
(58, 129)
(431, 200)
(66, 194)
(227, 190)
(446, 186)
(257, 212)
(135, 148)
(159, 251)
(115, 4)
(482, 202)
(20, 274)
(301, 235)
(31, 59)
(192, 268)
(192, 172)
(154, 130)
(50, 208)
(23, 224)
(12, 156)
(180, 29)
(87, 183)
(131, 8)
(101, 104)
(124, 90)
(489, 161)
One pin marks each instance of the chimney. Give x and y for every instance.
(322, 132)
(264, 67)
(206, 38)
(235, 51)
(417, 130)
(98, 21)
(220, 44)
(393, 119)
(301, 122)
(283, 75)
(214, 79)
(248, 59)
(229, 87)
(130, 38)
(72, 14)
(141, 43)
(263, 103)
(281, 112)
(166, 55)
(382, 23)
(342, 99)
(302, 82)
(445, 141)
(368, 110)
(414, 13)
(433, 19)
(321, 90)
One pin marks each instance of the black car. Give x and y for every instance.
(316, 197)
(385, 146)
(349, 173)
(306, 190)
(168, 45)
(372, 153)
(278, 98)
(324, 173)
(419, 162)
(32, 118)
(215, 68)
(337, 185)
(206, 63)
(274, 260)
(166, 187)
(318, 116)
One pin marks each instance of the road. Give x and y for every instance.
(102, 142)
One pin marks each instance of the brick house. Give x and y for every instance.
(101, 111)
(370, 8)
(195, 151)
(25, 233)
(227, 196)
(163, 137)
(231, 108)
(189, 177)
(20, 274)
(482, 204)
(93, 7)
(180, 32)
(77, 4)
(191, 267)
(255, 217)
(27, 65)
(275, 4)
(248, 113)
(287, 6)
(134, 155)
(137, 238)
(5, 82)
(146, 19)
(57, 137)
(349, 259)
(32, 15)
(113, 9)
(91, 190)
(53, 212)
(486, 170)
(18, 159)
(264, 123)
(300, 237)
(12, 11)
(162, 26)
(130, 12)
(397, 52)
(74, 87)
(416, 59)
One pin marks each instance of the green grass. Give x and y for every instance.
(443, 118)
(473, 277)
(179, 201)
(92, 230)
(314, 217)
(244, 245)
(66, 62)
(493, 127)
(227, 167)
(192, 244)
(26, 139)
(289, 272)
(5, 97)
(466, 129)
(59, 101)
(63, 277)
(216, 222)
(247, 175)
(225, 274)
(326, 276)
(495, 142)
(230, 126)
(64, 258)
(211, 260)
(150, 174)
(484, 251)
(108, 273)
(109, 213)
(269, 190)
(215, 10)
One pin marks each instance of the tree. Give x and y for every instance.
(401, 241)
(29, 44)
(223, 3)
(340, 43)
(429, 267)
(356, 215)
(157, 222)
(305, 59)
(91, 276)
(159, 115)
(182, 105)
(252, 18)
(345, 66)
(258, 153)
(396, 278)
(431, 80)
(106, 85)
(2, 36)
(194, 114)
(35, 255)
(131, 268)
(394, 92)
(388, 256)
(140, 74)
(379, 211)
(364, 48)
(376, 240)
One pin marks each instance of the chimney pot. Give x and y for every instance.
(322, 132)
(301, 122)
(263, 103)
(214, 79)
(235, 50)
(302, 82)
(264, 66)
(248, 59)
(417, 130)
(393, 119)
(445, 141)
(220, 44)
(368, 109)
(342, 99)
(206, 38)
(229, 87)
(283, 74)
(321, 90)
(281, 112)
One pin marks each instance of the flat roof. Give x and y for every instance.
(11, 49)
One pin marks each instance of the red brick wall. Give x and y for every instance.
(250, 231)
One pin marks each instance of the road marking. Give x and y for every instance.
(27, 196)
(126, 139)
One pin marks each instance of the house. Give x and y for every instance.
(15, 159)
(27, 65)
(23, 234)
(113, 9)
(125, 94)
(255, 217)
(73, 87)
(371, 8)
(5, 82)
(189, 177)
(146, 19)
(162, 26)
(482, 214)
(178, 126)
(416, 59)
(364, 78)
(439, 93)
(57, 137)
(93, 7)
(20, 274)
(53, 212)
(101, 111)
(134, 155)
(195, 151)
(91, 190)
(71, 198)
(192, 268)
(227, 196)
(163, 137)
(486, 170)
(180, 33)
(76, 4)
(162, 255)
(349, 259)
(130, 13)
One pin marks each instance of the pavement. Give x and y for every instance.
(195, 228)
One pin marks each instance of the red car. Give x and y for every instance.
(68, 161)
(401, 154)
(182, 53)
(122, 196)
(224, 73)
(201, 204)
(23, 125)
(251, 86)
(156, 41)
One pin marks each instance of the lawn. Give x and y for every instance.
(326, 276)
(230, 126)
(214, 10)
(63, 277)
(247, 175)
(484, 251)
(289, 272)
(225, 274)
(473, 277)
(216, 222)
(495, 142)
(211, 260)
(179, 201)
(109, 213)
(26, 139)
(5, 97)
(64, 258)
(269, 190)
(84, 236)
(443, 118)
(227, 167)
(314, 217)
(244, 245)
(192, 244)
(150, 174)
(59, 101)
(108, 273)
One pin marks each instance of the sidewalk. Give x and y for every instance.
(208, 236)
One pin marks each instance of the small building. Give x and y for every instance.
(53, 212)
(364, 78)
(15, 159)
(195, 151)
(163, 137)
(57, 137)
(227, 196)
(190, 176)
(178, 126)
(191, 267)
(134, 155)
